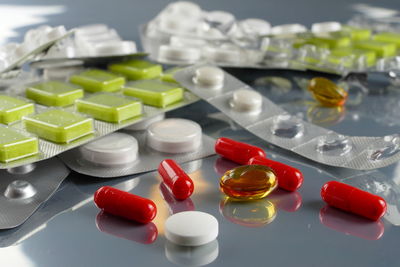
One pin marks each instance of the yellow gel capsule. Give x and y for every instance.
(255, 213)
(248, 182)
(327, 92)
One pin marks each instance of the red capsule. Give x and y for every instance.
(289, 178)
(237, 151)
(176, 179)
(124, 204)
(354, 200)
(175, 205)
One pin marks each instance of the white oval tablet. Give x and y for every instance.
(144, 124)
(323, 27)
(112, 149)
(174, 136)
(115, 48)
(223, 55)
(209, 77)
(191, 228)
(179, 53)
(288, 29)
(245, 100)
(255, 26)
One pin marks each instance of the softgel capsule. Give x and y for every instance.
(273, 124)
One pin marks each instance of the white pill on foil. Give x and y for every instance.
(209, 77)
(245, 100)
(115, 48)
(174, 136)
(179, 53)
(112, 149)
(285, 29)
(222, 54)
(255, 26)
(191, 228)
(324, 27)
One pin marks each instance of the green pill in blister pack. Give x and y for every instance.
(14, 145)
(95, 80)
(381, 49)
(137, 69)
(388, 37)
(54, 93)
(109, 107)
(355, 33)
(12, 109)
(154, 92)
(337, 55)
(58, 126)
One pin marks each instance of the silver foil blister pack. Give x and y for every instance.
(23, 189)
(148, 158)
(276, 126)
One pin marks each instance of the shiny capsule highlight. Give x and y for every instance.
(237, 151)
(248, 182)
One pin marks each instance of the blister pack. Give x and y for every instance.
(43, 119)
(183, 33)
(36, 41)
(262, 117)
(131, 151)
(25, 188)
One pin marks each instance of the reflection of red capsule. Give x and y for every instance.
(222, 165)
(289, 178)
(110, 224)
(124, 204)
(237, 151)
(351, 224)
(175, 206)
(176, 179)
(354, 200)
(287, 201)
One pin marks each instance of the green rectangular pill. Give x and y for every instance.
(137, 69)
(355, 33)
(13, 109)
(58, 126)
(110, 108)
(388, 37)
(339, 53)
(54, 93)
(154, 93)
(14, 145)
(98, 81)
(380, 48)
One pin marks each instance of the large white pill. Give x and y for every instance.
(245, 100)
(112, 149)
(222, 54)
(179, 53)
(144, 124)
(286, 29)
(174, 136)
(323, 27)
(209, 77)
(115, 48)
(255, 26)
(191, 228)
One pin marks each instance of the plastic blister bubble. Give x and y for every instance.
(334, 145)
(287, 126)
(389, 147)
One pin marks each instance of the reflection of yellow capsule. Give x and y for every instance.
(324, 116)
(248, 182)
(254, 213)
(327, 92)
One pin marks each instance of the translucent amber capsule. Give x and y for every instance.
(327, 92)
(248, 182)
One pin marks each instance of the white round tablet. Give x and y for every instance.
(324, 27)
(115, 48)
(112, 149)
(255, 26)
(174, 136)
(209, 77)
(144, 124)
(191, 228)
(288, 29)
(245, 100)
(179, 53)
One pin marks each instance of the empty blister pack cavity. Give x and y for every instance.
(127, 152)
(23, 190)
(266, 120)
(61, 115)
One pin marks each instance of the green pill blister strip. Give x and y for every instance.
(54, 93)
(95, 80)
(59, 126)
(137, 69)
(14, 145)
(59, 115)
(12, 109)
(110, 108)
(155, 93)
